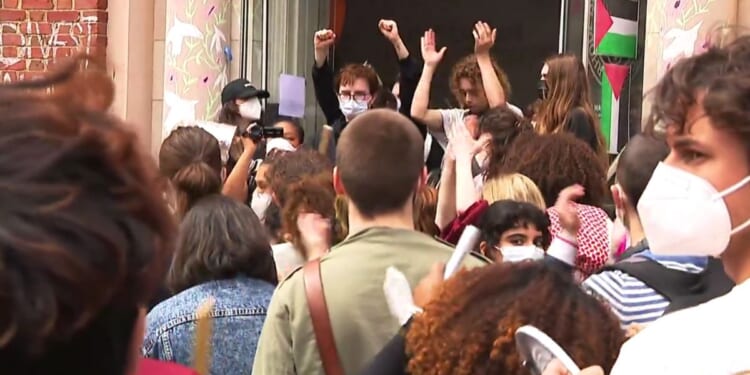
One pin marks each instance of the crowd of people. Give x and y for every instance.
(272, 257)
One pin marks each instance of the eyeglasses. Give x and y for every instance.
(357, 95)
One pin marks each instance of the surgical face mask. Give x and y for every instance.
(683, 214)
(251, 109)
(542, 89)
(514, 254)
(260, 204)
(398, 104)
(351, 108)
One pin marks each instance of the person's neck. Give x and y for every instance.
(635, 230)
(400, 219)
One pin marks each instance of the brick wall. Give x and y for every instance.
(36, 32)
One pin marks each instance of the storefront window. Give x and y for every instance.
(277, 37)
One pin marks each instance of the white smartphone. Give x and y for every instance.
(466, 244)
(537, 350)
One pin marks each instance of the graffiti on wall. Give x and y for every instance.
(684, 20)
(43, 40)
(195, 61)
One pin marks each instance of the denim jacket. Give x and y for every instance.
(238, 316)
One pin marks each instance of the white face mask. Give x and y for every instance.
(514, 254)
(260, 203)
(351, 108)
(683, 214)
(398, 104)
(251, 109)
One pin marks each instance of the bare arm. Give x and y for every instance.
(484, 39)
(419, 111)
(465, 147)
(466, 191)
(419, 107)
(235, 185)
(446, 203)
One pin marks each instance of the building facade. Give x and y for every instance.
(170, 58)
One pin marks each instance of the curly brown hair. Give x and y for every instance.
(311, 193)
(289, 168)
(554, 162)
(468, 68)
(469, 327)
(86, 234)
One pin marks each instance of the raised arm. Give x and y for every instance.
(235, 186)
(322, 76)
(465, 147)
(419, 107)
(389, 29)
(484, 39)
(446, 203)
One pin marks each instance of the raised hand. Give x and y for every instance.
(323, 39)
(389, 29)
(430, 54)
(462, 144)
(567, 209)
(315, 231)
(484, 38)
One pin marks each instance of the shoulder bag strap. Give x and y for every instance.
(321, 322)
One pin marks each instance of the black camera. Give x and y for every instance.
(257, 132)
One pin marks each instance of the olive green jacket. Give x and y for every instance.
(353, 274)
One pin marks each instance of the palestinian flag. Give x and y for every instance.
(613, 81)
(616, 28)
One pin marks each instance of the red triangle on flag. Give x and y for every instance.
(616, 74)
(602, 22)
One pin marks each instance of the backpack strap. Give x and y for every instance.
(321, 321)
(668, 282)
(682, 289)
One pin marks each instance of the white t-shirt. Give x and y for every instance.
(712, 338)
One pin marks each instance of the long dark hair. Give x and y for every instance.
(568, 89)
(504, 126)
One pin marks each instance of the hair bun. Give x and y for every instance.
(195, 181)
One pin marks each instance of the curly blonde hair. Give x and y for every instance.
(469, 328)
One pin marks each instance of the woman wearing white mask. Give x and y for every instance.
(696, 203)
(514, 231)
(240, 103)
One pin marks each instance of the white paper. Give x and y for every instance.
(398, 295)
(291, 96)
(222, 132)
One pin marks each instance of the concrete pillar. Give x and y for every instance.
(195, 64)
(743, 13)
(131, 56)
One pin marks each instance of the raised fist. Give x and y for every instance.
(389, 29)
(324, 39)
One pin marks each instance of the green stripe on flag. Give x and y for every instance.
(606, 112)
(617, 45)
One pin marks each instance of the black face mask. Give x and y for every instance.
(541, 89)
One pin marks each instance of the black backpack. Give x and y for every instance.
(682, 289)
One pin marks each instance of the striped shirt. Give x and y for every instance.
(631, 300)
